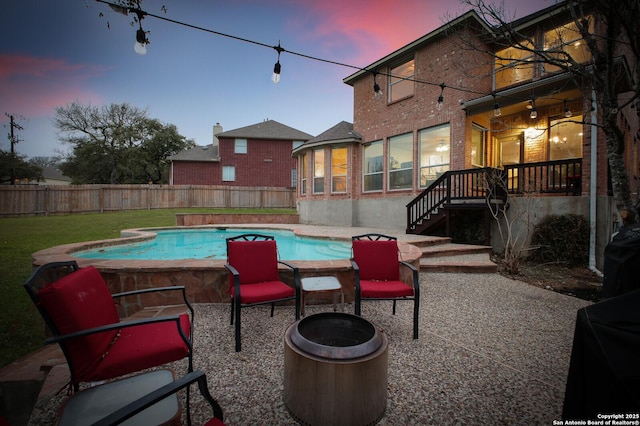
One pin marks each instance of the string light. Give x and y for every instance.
(440, 103)
(567, 111)
(140, 46)
(276, 68)
(497, 112)
(534, 111)
(377, 91)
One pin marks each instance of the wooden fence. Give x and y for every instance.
(23, 200)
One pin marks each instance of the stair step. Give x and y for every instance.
(451, 249)
(457, 263)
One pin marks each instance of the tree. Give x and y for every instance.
(116, 144)
(14, 167)
(609, 29)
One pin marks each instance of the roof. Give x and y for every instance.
(53, 172)
(340, 133)
(433, 35)
(268, 129)
(198, 153)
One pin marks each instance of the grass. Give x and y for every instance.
(21, 327)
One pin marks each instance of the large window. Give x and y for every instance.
(514, 65)
(434, 144)
(401, 161)
(401, 80)
(478, 138)
(372, 165)
(339, 170)
(240, 146)
(228, 173)
(318, 171)
(565, 138)
(566, 42)
(303, 174)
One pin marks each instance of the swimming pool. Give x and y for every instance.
(176, 244)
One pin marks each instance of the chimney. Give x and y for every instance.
(217, 129)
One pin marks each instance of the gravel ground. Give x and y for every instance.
(491, 351)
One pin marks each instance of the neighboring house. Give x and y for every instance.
(256, 155)
(419, 155)
(51, 175)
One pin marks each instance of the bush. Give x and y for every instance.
(561, 239)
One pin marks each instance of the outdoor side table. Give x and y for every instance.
(328, 283)
(90, 405)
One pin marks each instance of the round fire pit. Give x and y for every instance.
(335, 370)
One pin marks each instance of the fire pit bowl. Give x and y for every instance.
(335, 370)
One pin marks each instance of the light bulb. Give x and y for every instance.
(534, 113)
(276, 73)
(377, 91)
(567, 112)
(140, 48)
(440, 103)
(497, 112)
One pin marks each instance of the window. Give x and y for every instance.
(565, 138)
(434, 144)
(566, 42)
(339, 170)
(303, 175)
(318, 171)
(401, 81)
(240, 146)
(372, 167)
(478, 137)
(514, 65)
(294, 178)
(297, 144)
(228, 173)
(401, 161)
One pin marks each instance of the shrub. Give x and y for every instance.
(561, 239)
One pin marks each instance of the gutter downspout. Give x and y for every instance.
(593, 186)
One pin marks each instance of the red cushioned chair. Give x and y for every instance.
(254, 279)
(81, 313)
(158, 395)
(376, 266)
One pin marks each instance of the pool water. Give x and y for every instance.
(176, 244)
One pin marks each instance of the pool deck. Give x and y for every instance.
(492, 350)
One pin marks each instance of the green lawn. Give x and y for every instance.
(21, 328)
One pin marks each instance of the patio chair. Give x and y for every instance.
(81, 314)
(376, 267)
(160, 395)
(254, 279)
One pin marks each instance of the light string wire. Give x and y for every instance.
(141, 13)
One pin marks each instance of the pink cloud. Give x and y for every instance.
(33, 86)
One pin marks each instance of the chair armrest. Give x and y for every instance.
(159, 394)
(236, 280)
(156, 289)
(356, 275)
(296, 273)
(415, 276)
(119, 325)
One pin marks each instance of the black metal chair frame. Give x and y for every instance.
(236, 304)
(50, 272)
(415, 279)
(161, 393)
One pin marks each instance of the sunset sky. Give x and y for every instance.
(57, 52)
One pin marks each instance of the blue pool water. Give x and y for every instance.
(178, 244)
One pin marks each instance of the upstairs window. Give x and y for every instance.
(401, 81)
(228, 173)
(434, 144)
(240, 146)
(566, 44)
(514, 65)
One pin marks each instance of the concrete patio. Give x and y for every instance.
(491, 351)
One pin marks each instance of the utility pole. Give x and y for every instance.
(14, 140)
(12, 137)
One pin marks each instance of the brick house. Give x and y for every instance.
(256, 155)
(421, 147)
